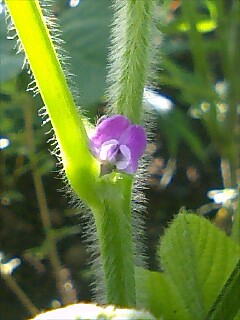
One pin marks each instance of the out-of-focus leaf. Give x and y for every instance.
(204, 26)
(11, 63)
(192, 88)
(86, 32)
(10, 196)
(205, 22)
(45, 163)
(178, 129)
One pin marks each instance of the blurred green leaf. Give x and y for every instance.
(86, 32)
(190, 85)
(10, 196)
(178, 129)
(11, 64)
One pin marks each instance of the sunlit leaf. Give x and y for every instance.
(156, 293)
(227, 305)
(198, 258)
(203, 26)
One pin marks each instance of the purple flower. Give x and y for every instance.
(116, 142)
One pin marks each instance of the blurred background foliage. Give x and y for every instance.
(193, 91)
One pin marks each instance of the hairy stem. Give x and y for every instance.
(129, 57)
(77, 160)
(115, 240)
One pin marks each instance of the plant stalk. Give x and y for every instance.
(129, 57)
(13, 285)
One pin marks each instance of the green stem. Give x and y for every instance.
(77, 160)
(129, 57)
(115, 240)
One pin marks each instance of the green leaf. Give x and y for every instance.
(236, 224)
(86, 32)
(198, 259)
(192, 88)
(237, 316)
(157, 294)
(227, 305)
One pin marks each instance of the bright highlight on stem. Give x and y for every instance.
(77, 160)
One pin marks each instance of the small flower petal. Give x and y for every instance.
(109, 150)
(108, 129)
(135, 139)
(118, 143)
(123, 158)
(132, 168)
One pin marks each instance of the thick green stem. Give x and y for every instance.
(129, 57)
(115, 240)
(127, 76)
(70, 133)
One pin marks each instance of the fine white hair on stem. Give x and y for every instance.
(127, 74)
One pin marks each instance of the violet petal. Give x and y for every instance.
(132, 168)
(108, 129)
(109, 150)
(135, 139)
(123, 160)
